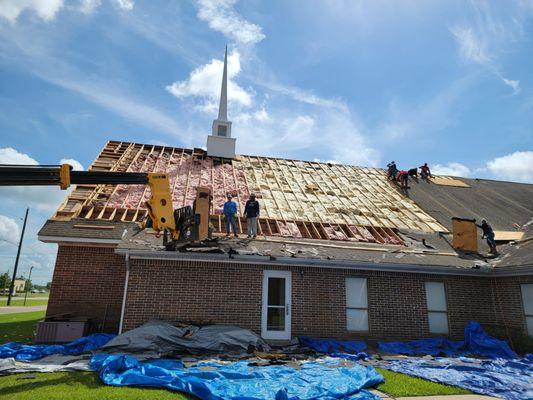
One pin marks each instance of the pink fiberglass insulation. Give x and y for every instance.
(335, 233)
(178, 195)
(121, 193)
(138, 198)
(219, 192)
(194, 181)
(363, 232)
(207, 168)
(289, 229)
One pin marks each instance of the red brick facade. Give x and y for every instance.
(87, 281)
(88, 278)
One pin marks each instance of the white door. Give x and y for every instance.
(276, 313)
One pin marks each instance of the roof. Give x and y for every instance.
(505, 205)
(305, 206)
(433, 255)
(298, 198)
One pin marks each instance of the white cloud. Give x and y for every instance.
(76, 165)
(8, 155)
(204, 83)
(517, 166)
(9, 230)
(124, 4)
(479, 43)
(45, 198)
(45, 9)
(88, 6)
(471, 47)
(221, 16)
(451, 169)
(307, 97)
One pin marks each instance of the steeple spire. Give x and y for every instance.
(220, 143)
(223, 107)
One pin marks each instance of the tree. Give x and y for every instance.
(49, 285)
(5, 281)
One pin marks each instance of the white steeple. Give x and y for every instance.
(223, 106)
(220, 143)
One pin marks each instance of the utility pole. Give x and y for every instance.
(28, 283)
(12, 286)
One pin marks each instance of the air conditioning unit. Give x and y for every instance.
(59, 331)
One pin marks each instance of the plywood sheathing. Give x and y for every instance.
(448, 181)
(508, 235)
(299, 198)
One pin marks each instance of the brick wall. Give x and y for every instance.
(86, 281)
(231, 294)
(89, 279)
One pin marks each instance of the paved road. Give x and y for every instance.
(17, 309)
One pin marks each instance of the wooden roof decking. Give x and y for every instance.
(318, 200)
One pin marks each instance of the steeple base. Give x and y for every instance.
(220, 146)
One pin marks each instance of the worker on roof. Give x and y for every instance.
(425, 172)
(392, 170)
(230, 211)
(413, 173)
(401, 178)
(488, 233)
(251, 212)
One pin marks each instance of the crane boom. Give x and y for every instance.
(160, 208)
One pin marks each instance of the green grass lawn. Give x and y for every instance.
(19, 327)
(74, 385)
(399, 385)
(21, 295)
(20, 302)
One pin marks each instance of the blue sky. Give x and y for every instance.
(360, 82)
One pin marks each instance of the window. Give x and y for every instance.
(527, 299)
(222, 130)
(437, 311)
(356, 304)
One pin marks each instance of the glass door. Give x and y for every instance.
(276, 313)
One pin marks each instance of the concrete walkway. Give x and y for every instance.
(20, 309)
(450, 397)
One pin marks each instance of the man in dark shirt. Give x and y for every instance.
(425, 172)
(251, 212)
(391, 170)
(488, 233)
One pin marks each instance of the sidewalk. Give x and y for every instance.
(451, 397)
(20, 309)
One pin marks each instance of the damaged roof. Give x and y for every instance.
(298, 198)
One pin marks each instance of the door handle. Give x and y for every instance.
(286, 309)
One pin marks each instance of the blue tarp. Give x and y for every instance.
(509, 379)
(26, 352)
(322, 379)
(477, 343)
(333, 346)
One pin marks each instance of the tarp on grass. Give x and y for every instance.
(21, 352)
(330, 346)
(509, 379)
(156, 339)
(476, 343)
(322, 379)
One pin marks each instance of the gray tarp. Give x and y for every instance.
(53, 363)
(157, 339)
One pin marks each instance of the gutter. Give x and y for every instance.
(67, 239)
(126, 280)
(324, 263)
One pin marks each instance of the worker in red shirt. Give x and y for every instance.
(425, 171)
(401, 178)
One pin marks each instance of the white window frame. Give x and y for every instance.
(361, 307)
(528, 306)
(442, 310)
